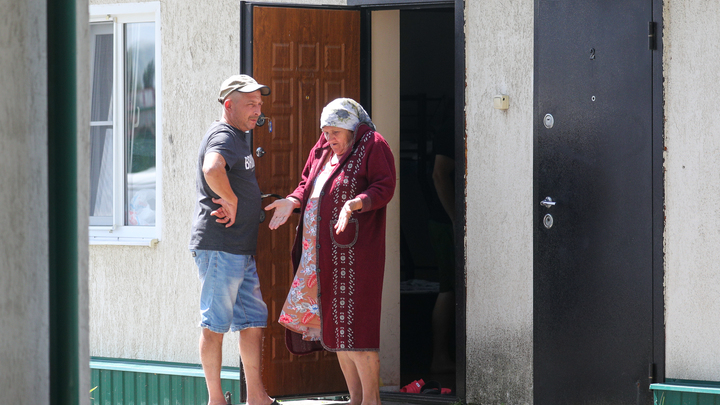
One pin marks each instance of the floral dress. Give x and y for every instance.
(301, 312)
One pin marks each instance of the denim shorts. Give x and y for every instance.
(230, 298)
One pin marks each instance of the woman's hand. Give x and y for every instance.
(345, 214)
(283, 208)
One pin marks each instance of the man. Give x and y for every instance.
(224, 239)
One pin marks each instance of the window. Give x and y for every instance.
(125, 124)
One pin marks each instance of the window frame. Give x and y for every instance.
(118, 233)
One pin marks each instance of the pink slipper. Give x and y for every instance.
(414, 387)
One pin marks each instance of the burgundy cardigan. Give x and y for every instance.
(351, 265)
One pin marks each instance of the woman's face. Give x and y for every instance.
(339, 139)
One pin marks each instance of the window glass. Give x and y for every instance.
(101, 124)
(139, 108)
(125, 128)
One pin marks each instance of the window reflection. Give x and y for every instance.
(140, 179)
(101, 125)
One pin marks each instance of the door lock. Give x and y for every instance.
(262, 119)
(548, 221)
(547, 202)
(549, 121)
(259, 152)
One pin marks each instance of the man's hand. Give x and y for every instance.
(226, 213)
(283, 208)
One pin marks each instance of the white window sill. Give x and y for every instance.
(123, 241)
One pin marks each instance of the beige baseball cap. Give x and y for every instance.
(241, 83)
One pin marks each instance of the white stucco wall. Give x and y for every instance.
(197, 56)
(24, 217)
(691, 66)
(83, 191)
(24, 288)
(143, 300)
(499, 46)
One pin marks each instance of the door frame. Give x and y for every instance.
(656, 370)
(367, 7)
(658, 197)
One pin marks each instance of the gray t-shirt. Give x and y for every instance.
(241, 237)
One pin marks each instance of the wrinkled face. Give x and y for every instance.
(244, 109)
(339, 139)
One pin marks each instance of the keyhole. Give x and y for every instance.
(548, 221)
(592, 53)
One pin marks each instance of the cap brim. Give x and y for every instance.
(264, 90)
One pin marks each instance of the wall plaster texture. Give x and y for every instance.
(499, 60)
(82, 46)
(24, 273)
(691, 68)
(144, 300)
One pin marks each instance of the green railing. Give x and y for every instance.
(137, 382)
(686, 392)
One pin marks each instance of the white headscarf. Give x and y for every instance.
(345, 113)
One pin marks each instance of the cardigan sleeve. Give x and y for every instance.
(381, 176)
(300, 189)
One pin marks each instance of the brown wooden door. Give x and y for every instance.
(308, 57)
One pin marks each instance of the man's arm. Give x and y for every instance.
(216, 177)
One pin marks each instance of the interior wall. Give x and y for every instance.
(499, 262)
(691, 68)
(24, 272)
(385, 89)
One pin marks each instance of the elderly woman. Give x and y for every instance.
(339, 249)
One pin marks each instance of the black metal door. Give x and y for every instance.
(593, 248)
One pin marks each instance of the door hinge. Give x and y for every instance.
(652, 35)
(651, 373)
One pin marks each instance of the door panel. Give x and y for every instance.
(593, 266)
(308, 57)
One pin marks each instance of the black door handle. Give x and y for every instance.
(264, 196)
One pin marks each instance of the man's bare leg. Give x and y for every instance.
(211, 360)
(251, 355)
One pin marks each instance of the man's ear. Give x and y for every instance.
(227, 103)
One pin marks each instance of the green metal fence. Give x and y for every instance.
(135, 382)
(686, 392)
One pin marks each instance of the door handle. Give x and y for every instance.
(264, 196)
(547, 202)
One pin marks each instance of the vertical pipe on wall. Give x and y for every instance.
(62, 194)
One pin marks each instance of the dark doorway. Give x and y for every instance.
(593, 243)
(427, 163)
